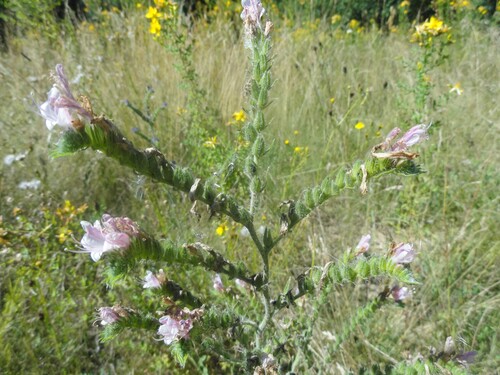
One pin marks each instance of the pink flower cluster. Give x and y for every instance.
(110, 315)
(252, 12)
(177, 325)
(111, 233)
(61, 107)
(172, 329)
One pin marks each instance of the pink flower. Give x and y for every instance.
(399, 149)
(109, 315)
(172, 329)
(363, 245)
(107, 235)
(399, 294)
(252, 12)
(218, 286)
(61, 107)
(154, 281)
(413, 136)
(403, 253)
(392, 134)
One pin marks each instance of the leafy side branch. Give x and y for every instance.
(104, 136)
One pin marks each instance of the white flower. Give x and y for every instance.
(33, 184)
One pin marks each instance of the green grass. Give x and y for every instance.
(450, 213)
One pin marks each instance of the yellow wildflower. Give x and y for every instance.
(295, 132)
(239, 116)
(404, 4)
(353, 24)
(336, 18)
(159, 3)
(482, 10)
(91, 27)
(155, 27)
(138, 6)
(301, 150)
(359, 125)
(211, 142)
(63, 235)
(153, 13)
(434, 27)
(332, 100)
(221, 229)
(287, 142)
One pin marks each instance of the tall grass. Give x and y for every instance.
(452, 216)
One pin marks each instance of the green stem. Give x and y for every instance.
(104, 136)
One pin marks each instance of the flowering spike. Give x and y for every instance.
(252, 12)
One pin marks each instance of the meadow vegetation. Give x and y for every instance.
(337, 91)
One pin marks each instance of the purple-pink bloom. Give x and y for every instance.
(218, 286)
(107, 315)
(399, 294)
(392, 134)
(363, 245)
(403, 253)
(154, 281)
(399, 149)
(252, 12)
(173, 329)
(61, 107)
(413, 136)
(106, 235)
